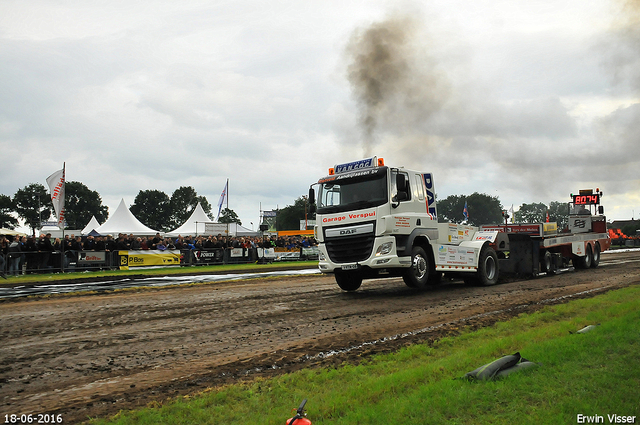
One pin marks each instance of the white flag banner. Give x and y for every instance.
(223, 196)
(56, 187)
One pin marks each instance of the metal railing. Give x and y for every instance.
(28, 262)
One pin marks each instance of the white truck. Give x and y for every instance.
(377, 221)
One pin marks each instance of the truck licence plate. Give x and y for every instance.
(350, 267)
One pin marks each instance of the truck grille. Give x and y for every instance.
(350, 249)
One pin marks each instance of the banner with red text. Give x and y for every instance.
(56, 187)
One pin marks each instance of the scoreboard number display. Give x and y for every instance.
(592, 199)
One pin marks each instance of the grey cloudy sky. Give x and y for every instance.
(525, 100)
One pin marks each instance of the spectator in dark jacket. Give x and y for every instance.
(4, 250)
(15, 252)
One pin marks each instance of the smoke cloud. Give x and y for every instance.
(624, 60)
(394, 81)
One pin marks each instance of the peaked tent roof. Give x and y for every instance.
(194, 225)
(93, 224)
(123, 221)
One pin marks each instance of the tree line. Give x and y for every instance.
(486, 209)
(154, 208)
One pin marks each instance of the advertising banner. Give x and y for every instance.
(216, 229)
(92, 257)
(56, 187)
(209, 257)
(166, 258)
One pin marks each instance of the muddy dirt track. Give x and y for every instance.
(92, 355)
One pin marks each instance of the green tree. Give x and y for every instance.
(482, 209)
(229, 216)
(289, 217)
(631, 229)
(450, 209)
(531, 213)
(82, 203)
(183, 201)
(6, 208)
(33, 205)
(559, 212)
(153, 209)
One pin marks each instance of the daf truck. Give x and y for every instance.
(377, 221)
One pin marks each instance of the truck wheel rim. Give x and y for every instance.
(419, 266)
(490, 268)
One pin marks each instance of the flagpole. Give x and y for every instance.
(64, 165)
(228, 204)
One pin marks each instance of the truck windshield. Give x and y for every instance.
(353, 191)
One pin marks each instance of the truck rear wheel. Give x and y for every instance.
(348, 281)
(417, 276)
(488, 271)
(595, 261)
(586, 261)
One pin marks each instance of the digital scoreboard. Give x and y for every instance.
(590, 199)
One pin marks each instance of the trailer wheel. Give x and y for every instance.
(348, 281)
(488, 270)
(584, 262)
(417, 276)
(595, 261)
(547, 264)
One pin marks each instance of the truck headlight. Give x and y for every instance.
(384, 249)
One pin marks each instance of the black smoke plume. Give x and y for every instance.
(395, 83)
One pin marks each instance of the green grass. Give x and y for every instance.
(164, 271)
(596, 373)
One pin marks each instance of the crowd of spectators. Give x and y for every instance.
(36, 253)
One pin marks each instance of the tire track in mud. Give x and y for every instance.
(93, 355)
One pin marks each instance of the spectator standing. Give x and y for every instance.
(99, 244)
(136, 244)
(31, 248)
(15, 252)
(121, 244)
(4, 250)
(76, 243)
(110, 244)
(90, 244)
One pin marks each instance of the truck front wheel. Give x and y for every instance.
(348, 281)
(417, 276)
(488, 271)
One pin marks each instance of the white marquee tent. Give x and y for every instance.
(194, 225)
(93, 224)
(123, 221)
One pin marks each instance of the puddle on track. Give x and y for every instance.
(110, 285)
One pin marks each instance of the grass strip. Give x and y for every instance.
(591, 374)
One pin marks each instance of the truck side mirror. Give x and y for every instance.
(312, 200)
(601, 210)
(312, 196)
